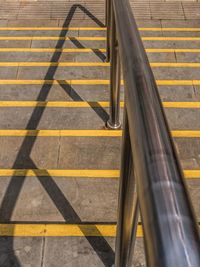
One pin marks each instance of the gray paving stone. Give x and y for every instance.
(15, 44)
(19, 150)
(177, 93)
(188, 57)
(172, 73)
(57, 93)
(91, 153)
(8, 73)
(22, 251)
(63, 73)
(166, 10)
(73, 43)
(81, 252)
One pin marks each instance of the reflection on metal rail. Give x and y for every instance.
(149, 160)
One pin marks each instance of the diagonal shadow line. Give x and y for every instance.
(96, 51)
(94, 105)
(14, 188)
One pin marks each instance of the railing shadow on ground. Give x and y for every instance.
(99, 244)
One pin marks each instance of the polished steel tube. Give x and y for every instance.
(171, 234)
(108, 32)
(115, 81)
(128, 204)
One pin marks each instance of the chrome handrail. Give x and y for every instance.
(151, 177)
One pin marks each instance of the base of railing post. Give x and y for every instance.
(111, 126)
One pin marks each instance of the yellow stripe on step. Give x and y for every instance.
(83, 104)
(56, 82)
(64, 133)
(50, 38)
(92, 64)
(87, 133)
(40, 230)
(94, 82)
(53, 50)
(186, 134)
(168, 50)
(54, 64)
(169, 38)
(89, 38)
(90, 50)
(189, 174)
(60, 173)
(154, 29)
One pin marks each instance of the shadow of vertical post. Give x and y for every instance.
(14, 188)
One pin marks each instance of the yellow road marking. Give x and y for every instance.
(168, 50)
(60, 173)
(88, 38)
(58, 230)
(189, 174)
(169, 38)
(56, 82)
(154, 29)
(70, 133)
(92, 64)
(54, 64)
(51, 38)
(192, 174)
(93, 82)
(83, 104)
(52, 29)
(89, 50)
(186, 133)
(175, 65)
(88, 133)
(106, 230)
(53, 50)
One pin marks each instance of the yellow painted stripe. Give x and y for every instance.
(52, 28)
(56, 82)
(50, 38)
(168, 50)
(181, 104)
(53, 50)
(83, 104)
(70, 133)
(81, 38)
(169, 38)
(89, 50)
(54, 64)
(94, 82)
(92, 64)
(88, 133)
(176, 29)
(154, 29)
(175, 65)
(192, 174)
(60, 173)
(186, 133)
(189, 174)
(40, 230)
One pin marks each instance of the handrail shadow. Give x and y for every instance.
(16, 183)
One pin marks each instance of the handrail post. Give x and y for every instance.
(108, 22)
(128, 208)
(115, 76)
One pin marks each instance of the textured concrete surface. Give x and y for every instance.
(75, 200)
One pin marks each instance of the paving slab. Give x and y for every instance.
(19, 152)
(63, 73)
(173, 73)
(21, 251)
(57, 200)
(56, 92)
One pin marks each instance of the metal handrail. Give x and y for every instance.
(151, 176)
